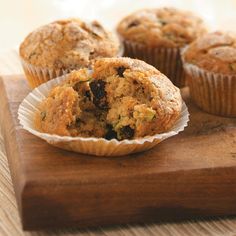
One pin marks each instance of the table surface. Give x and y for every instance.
(9, 64)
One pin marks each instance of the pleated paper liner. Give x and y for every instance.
(37, 75)
(166, 60)
(214, 93)
(94, 146)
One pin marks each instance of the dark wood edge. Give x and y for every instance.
(159, 214)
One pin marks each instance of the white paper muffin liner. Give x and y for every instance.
(166, 60)
(214, 93)
(94, 146)
(37, 75)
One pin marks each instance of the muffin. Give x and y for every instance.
(120, 98)
(210, 63)
(157, 36)
(61, 46)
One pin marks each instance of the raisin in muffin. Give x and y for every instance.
(64, 45)
(119, 98)
(157, 35)
(210, 63)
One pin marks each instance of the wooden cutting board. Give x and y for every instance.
(191, 174)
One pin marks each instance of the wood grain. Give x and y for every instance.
(189, 183)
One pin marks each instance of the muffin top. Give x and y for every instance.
(68, 44)
(119, 98)
(215, 52)
(164, 27)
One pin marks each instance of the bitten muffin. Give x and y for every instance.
(64, 45)
(119, 98)
(210, 63)
(157, 35)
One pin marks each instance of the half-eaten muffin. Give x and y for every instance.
(119, 98)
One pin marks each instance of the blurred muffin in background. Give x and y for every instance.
(157, 36)
(64, 45)
(210, 63)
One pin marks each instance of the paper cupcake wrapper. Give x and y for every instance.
(167, 60)
(94, 146)
(37, 75)
(212, 92)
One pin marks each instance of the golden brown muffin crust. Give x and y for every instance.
(68, 44)
(163, 27)
(215, 52)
